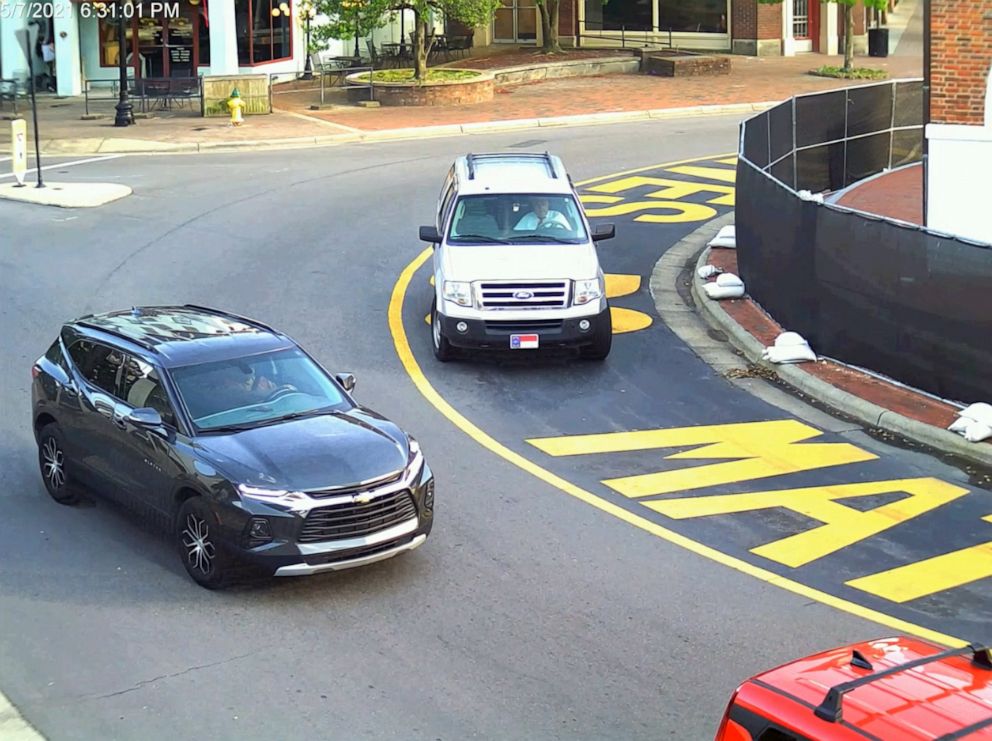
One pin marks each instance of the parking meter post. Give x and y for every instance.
(26, 38)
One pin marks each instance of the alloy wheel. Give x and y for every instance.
(196, 540)
(54, 463)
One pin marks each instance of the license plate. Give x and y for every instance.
(524, 341)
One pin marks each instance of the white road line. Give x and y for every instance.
(104, 158)
(13, 727)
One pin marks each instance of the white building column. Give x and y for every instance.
(829, 28)
(788, 40)
(223, 38)
(12, 59)
(67, 70)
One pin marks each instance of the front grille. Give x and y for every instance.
(353, 520)
(512, 294)
(351, 553)
(523, 325)
(376, 484)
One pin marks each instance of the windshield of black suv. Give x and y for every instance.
(517, 219)
(256, 390)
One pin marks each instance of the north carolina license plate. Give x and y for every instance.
(524, 341)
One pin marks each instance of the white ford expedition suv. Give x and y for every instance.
(515, 263)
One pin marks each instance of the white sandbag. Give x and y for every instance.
(789, 347)
(980, 412)
(708, 271)
(726, 238)
(977, 432)
(960, 425)
(794, 354)
(790, 339)
(716, 291)
(729, 280)
(809, 196)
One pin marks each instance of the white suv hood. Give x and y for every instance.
(520, 262)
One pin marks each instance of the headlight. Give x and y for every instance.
(271, 496)
(458, 292)
(415, 459)
(587, 290)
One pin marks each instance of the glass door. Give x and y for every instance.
(181, 47)
(515, 21)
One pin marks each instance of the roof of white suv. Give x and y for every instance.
(511, 172)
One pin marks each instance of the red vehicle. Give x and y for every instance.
(892, 689)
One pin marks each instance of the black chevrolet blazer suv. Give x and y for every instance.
(258, 457)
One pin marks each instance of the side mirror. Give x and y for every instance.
(603, 231)
(347, 380)
(429, 234)
(145, 417)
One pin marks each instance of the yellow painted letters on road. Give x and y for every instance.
(759, 450)
(843, 526)
(932, 575)
(683, 212)
(673, 190)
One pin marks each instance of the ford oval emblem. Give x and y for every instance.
(523, 295)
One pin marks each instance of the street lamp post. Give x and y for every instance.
(309, 13)
(125, 111)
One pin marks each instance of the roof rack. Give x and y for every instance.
(230, 315)
(117, 333)
(832, 707)
(471, 166)
(966, 731)
(551, 164)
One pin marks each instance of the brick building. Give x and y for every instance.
(738, 26)
(960, 58)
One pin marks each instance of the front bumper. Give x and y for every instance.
(494, 333)
(287, 554)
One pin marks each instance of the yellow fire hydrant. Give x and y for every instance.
(234, 105)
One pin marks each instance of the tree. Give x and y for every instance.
(349, 18)
(469, 12)
(549, 26)
(848, 6)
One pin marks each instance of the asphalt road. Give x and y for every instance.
(527, 614)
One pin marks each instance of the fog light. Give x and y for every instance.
(462, 327)
(584, 325)
(259, 531)
(429, 495)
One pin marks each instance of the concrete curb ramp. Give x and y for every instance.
(838, 399)
(65, 195)
(146, 146)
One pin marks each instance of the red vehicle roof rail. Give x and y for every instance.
(965, 732)
(832, 707)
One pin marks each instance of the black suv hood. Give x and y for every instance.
(311, 453)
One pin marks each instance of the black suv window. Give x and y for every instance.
(54, 355)
(97, 363)
(141, 387)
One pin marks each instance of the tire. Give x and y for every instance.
(56, 469)
(443, 350)
(205, 558)
(602, 342)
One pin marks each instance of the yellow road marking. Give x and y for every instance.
(628, 320)
(670, 189)
(728, 161)
(412, 367)
(763, 449)
(665, 166)
(933, 575)
(710, 173)
(618, 285)
(590, 198)
(683, 212)
(843, 526)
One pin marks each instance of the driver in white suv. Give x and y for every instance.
(541, 217)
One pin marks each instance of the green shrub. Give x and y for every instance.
(855, 73)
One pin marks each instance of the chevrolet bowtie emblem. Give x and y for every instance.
(364, 498)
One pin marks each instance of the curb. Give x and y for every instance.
(835, 398)
(57, 147)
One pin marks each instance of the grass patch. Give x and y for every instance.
(855, 73)
(433, 75)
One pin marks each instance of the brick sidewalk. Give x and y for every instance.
(752, 79)
(897, 194)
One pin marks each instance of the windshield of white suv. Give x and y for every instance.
(517, 219)
(256, 390)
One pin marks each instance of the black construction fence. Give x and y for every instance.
(881, 294)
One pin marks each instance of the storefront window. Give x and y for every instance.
(265, 32)
(631, 15)
(693, 16)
